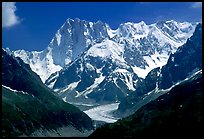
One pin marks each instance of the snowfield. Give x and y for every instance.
(15, 91)
(103, 113)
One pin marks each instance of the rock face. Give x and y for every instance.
(28, 105)
(73, 38)
(185, 62)
(90, 62)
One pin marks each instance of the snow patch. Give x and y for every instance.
(121, 70)
(88, 90)
(107, 49)
(43, 66)
(58, 37)
(81, 103)
(70, 87)
(128, 78)
(142, 73)
(55, 79)
(111, 32)
(25, 93)
(154, 61)
(64, 99)
(99, 70)
(89, 66)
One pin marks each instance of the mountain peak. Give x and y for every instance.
(76, 36)
(162, 22)
(69, 20)
(171, 21)
(7, 50)
(75, 19)
(142, 23)
(99, 22)
(72, 22)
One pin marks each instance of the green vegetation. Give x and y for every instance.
(40, 108)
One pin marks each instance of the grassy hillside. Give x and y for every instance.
(40, 108)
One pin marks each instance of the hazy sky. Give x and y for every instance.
(31, 25)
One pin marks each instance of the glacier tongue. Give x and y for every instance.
(103, 113)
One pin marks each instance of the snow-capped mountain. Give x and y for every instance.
(77, 36)
(73, 38)
(90, 61)
(183, 64)
(149, 46)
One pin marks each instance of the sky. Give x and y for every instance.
(32, 25)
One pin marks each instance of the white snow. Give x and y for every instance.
(89, 66)
(154, 61)
(149, 61)
(168, 89)
(160, 59)
(167, 27)
(44, 62)
(121, 70)
(162, 91)
(64, 99)
(67, 61)
(56, 90)
(141, 29)
(107, 49)
(25, 93)
(128, 78)
(52, 84)
(45, 70)
(9, 88)
(22, 54)
(111, 32)
(114, 80)
(88, 90)
(55, 79)
(141, 72)
(129, 82)
(172, 59)
(99, 70)
(81, 103)
(163, 39)
(44, 67)
(69, 87)
(103, 113)
(136, 36)
(58, 37)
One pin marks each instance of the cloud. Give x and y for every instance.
(197, 5)
(9, 17)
